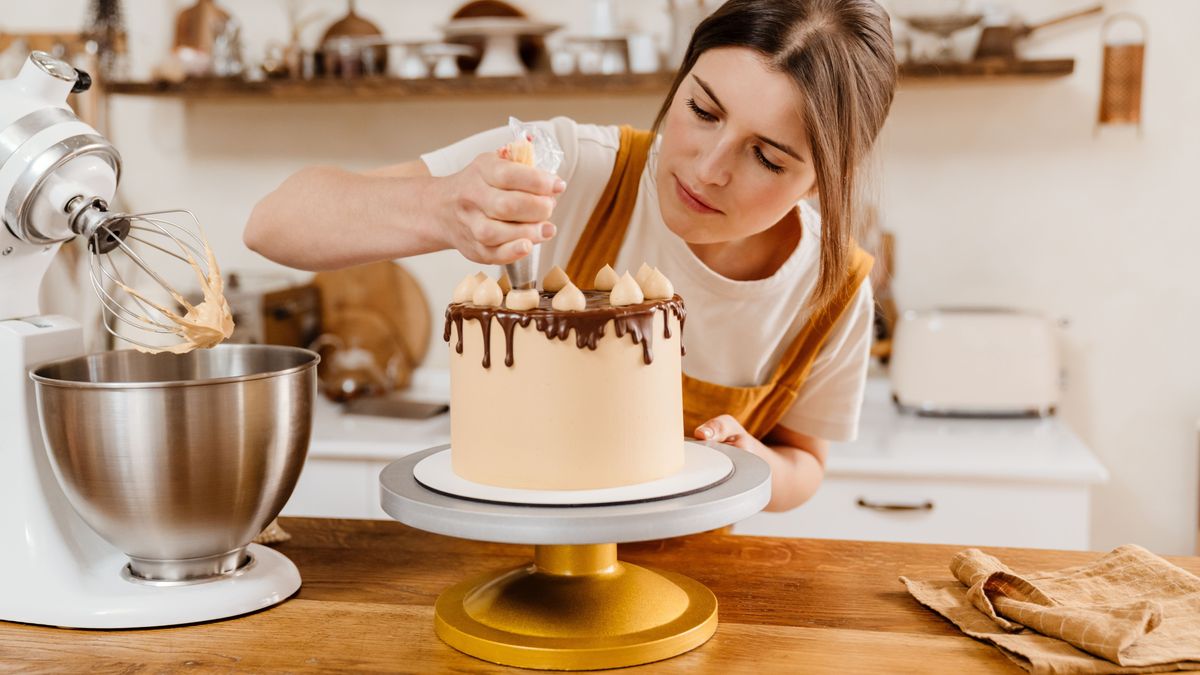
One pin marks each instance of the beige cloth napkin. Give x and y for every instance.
(1129, 611)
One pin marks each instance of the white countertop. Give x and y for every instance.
(337, 435)
(890, 444)
(893, 443)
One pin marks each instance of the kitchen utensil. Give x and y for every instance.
(575, 606)
(703, 467)
(644, 56)
(604, 18)
(196, 31)
(413, 64)
(105, 29)
(443, 58)
(531, 48)
(607, 55)
(975, 362)
(1121, 81)
(500, 34)
(62, 176)
(530, 145)
(1000, 41)
(164, 470)
(341, 57)
(361, 357)
(272, 310)
(379, 307)
(394, 406)
(211, 470)
(944, 26)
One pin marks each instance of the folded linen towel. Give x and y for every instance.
(1129, 611)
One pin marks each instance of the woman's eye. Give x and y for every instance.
(701, 112)
(773, 168)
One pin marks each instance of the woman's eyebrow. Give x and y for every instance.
(783, 147)
(708, 90)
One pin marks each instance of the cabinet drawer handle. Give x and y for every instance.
(884, 506)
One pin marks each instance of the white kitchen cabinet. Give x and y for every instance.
(994, 482)
(966, 481)
(937, 512)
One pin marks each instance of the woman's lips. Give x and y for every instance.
(691, 200)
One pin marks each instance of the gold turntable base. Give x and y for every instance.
(576, 607)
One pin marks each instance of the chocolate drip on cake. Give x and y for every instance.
(637, 321)
(458, 321)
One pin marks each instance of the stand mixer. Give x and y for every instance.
(130, 491)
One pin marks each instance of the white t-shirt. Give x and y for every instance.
(737, 331)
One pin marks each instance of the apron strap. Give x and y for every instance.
(759, 408)
(797, 362)
(601, 239)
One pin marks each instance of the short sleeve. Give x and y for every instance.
(455, 157)
(830, 400)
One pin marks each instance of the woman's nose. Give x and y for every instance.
(712, 166)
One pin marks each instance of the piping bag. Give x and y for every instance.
(531, 145)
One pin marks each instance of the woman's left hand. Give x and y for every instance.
(797, 461)
(726, 429)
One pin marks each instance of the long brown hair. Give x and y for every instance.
(839, 53)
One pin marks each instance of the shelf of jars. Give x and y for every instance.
(541, 84)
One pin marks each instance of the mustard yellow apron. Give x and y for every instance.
(758, 408)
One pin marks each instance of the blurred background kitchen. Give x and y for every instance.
(1016, 172)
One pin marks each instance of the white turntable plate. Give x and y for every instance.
(703, 467)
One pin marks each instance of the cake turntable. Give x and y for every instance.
(575, 606)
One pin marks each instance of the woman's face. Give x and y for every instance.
(735, 156)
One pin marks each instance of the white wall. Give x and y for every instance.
(998, 191)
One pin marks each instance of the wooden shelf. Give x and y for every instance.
(988, 69)
(383, 88)
(541, 84)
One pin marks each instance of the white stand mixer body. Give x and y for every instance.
(36, 127)
(54, 569)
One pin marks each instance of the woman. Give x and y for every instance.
(777, 101)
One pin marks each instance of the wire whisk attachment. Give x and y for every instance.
(164, 250)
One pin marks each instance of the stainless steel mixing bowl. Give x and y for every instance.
(179, 460)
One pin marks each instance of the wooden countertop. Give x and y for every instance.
(786, 605)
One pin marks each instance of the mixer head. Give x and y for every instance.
(57, 176)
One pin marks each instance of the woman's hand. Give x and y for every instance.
(797, 460)
(726, 429)
(497, 209)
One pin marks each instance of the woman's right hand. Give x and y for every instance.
(497, 209)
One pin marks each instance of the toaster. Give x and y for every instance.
(975, 363)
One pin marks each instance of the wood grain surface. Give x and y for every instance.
(786, 605)
(540, 84)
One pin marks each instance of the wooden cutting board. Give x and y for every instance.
(387, 291)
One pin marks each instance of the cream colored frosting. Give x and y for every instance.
(522, 299)
(606, 279)
(657, 286)
(555, 280)
(488, 294)
(626, 292)
(563, 416)
(643, 273)
(202, 326)
(521, 152)
(466, 288)
(569, 299)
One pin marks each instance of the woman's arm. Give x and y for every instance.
(797, 460)
(322, 218)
